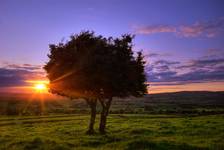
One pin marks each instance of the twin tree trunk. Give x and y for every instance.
(104, 113)
(92, 103)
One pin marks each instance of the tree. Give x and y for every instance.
(96, 69)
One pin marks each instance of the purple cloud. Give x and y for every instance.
(24, 66)
(208, 29)
(201, 28)
(154, 29)
(16, 75)
(152, 55)
(201, 70)
(166, 62)
(155, 55)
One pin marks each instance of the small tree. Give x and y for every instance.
(96, 69)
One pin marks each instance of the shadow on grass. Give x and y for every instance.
(147, 145)
(99, 140)
(141, 131)
(38, 144)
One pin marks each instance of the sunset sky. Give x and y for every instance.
(182, 40)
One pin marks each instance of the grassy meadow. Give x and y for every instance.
(127, 131)
(174, 121)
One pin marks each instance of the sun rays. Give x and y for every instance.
(40, 87)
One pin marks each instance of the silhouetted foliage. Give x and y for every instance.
(96, 69)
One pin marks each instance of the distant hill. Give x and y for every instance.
(172, 102)
(186, 97)
(178, 102)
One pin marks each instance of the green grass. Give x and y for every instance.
(128, 132)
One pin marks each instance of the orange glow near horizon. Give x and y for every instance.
(206, 86)
(39, 86)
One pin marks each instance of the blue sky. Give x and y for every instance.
(176, 30)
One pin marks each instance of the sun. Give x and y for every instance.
(40, 87)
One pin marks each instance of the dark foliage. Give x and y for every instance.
(96, 68)
(90, 66)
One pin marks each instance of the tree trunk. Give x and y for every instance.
(92, 103)
(103, 119)
(104, 113)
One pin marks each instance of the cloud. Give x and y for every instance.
(194, 71)
(209, 29)
(16, 75)
(190, 77)
(163, 68)
(166, 62)
(165, 76)
(214, 54)
(11, 77)
(205, 64)
(210, 61)
(155, 55)
(152, 55)
(162, 65)
(23, 66)
(154, 29)
(201, 75)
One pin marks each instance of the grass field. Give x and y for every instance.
(128, 132)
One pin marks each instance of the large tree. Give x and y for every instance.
(96, 69)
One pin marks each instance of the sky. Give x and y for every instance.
(182, 40)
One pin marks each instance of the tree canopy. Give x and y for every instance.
(93, 67)
(89, 66)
